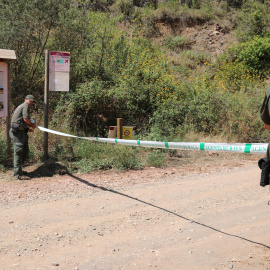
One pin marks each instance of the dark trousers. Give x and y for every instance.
(21, 150)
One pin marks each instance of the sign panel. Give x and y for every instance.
(128, 132)
(3, 89)
(59, 67)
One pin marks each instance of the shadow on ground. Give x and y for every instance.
(51, 169)
(48, 170)
(166, 210)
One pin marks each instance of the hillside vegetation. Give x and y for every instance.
(178, 70)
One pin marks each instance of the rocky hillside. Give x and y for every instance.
(208, 37)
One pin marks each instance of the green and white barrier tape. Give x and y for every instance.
(248, 148)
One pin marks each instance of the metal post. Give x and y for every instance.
(46, 104)
(119, 128)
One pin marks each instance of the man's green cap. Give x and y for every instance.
(30, 97)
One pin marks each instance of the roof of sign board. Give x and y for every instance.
(7, 55)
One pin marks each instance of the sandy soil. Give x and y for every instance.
(209, 214)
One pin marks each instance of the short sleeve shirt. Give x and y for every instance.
(21, 113)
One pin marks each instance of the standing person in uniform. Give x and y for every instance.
(265, 115)
(264, 163)
(20, 125)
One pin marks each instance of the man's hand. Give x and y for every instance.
(29, 123)
(267, 127)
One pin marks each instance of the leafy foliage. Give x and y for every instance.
(253, 20)
(96, 156)
(254, 53)
(221, 100)
(3, 152)
(156, 159)
(138, 79)
(117, 73)
(177, 42)
(26, 27)
(88, 109)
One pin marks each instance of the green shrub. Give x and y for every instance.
(126, 158)
(253, 20)
(90, 109)
(224, 100)
(86, 165)
(31, 155)
(102, 156)
(138, 77)
(235, 3)
(191, 59)
(177, 43)
(255, 54)
(156, 159)
(63, 150)
(235, 76)
(3, 152)
(124, 6)
(200, 110)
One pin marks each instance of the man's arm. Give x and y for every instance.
(267, 127)
(29, 123)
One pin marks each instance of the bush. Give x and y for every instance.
(235, 76)
(200, 109)
(86, 165)
(126, 158)
(177, 43)
(224, 101)
(235, 3)
(253, 20)
(124, 6)
(191, 59)
(156, 159)
(255, 54)
(90, 156)
(138, 78)
(90, 109)
(3, 152)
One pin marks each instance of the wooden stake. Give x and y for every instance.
(46, 105)
(8, 118)
(119, 128)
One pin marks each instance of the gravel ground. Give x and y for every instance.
(202, 212)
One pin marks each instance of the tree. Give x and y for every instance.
(26, 27)
(235, 3)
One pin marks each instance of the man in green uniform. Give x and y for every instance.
(20, 125)
(265, 115)
(264, 163)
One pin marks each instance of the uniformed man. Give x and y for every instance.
(265, 114)
(264, 163)
(21, 124)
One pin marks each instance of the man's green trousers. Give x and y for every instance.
(21, 150)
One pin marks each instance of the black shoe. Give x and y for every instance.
(24, 172)
(22, 177)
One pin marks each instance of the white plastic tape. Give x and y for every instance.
(248, 148)
(56, 132)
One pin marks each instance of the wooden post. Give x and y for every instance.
(8, 118)
(119, 128)
(46, 105)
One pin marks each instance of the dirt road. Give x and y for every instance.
(149, 219)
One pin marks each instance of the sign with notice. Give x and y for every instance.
(3, 89)
(59, 67)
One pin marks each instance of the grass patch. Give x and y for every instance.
(90, 156)
(156, 158)
(177, 43)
